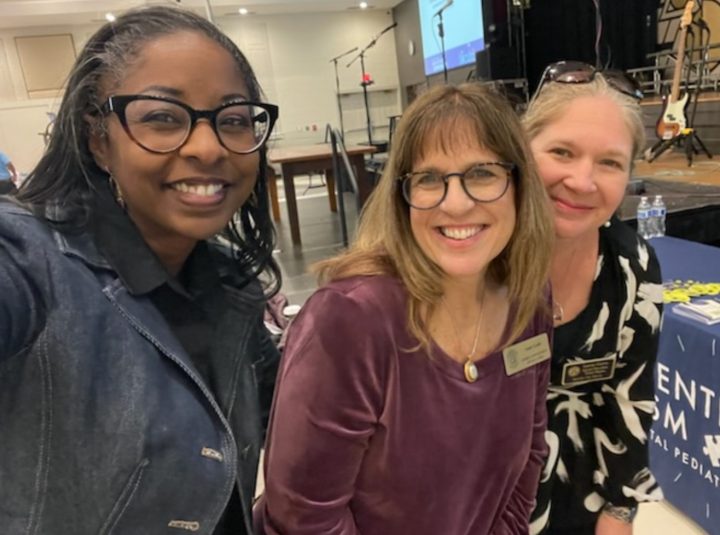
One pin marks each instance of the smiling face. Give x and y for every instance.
(584, 158)
(190, 194)
(460, 235)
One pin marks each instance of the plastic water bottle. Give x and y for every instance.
(659, 213)
(643, 217)
(652, 221)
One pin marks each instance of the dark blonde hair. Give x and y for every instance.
(552, 100)
(385, 244)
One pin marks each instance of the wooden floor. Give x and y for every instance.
(673, 165)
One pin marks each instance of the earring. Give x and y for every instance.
(115, 189)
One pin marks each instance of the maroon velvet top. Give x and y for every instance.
(370, 437)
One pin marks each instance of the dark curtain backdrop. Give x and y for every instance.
(565, 29)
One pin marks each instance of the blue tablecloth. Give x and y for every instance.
(685, 438)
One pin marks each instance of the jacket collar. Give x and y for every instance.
(78, 241)
(106, 238)
(80, 245)
(120, 242)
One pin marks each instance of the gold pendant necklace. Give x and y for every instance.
(471, 372)
(469, 368)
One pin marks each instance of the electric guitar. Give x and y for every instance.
(673, 120)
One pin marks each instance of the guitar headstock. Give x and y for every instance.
(687, 15)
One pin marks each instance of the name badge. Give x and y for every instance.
(525, 354)
(588, 371)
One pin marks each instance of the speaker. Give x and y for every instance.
(496, 63)
(496, 23)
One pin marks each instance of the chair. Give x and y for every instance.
(273, 192)
(376, 163)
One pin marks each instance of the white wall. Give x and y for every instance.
(23, 120)
(291, 56)
(289, 53)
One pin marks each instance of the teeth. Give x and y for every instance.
(456, 233)
(204, 190)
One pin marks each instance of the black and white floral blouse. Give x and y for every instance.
(601, 400)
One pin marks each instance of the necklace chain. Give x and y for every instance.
(477, 336)
(558, 312)
(471, 373)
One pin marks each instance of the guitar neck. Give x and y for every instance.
(677, 74)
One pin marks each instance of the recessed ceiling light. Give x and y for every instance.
(363, 5)
(109, 17)
(243, 11)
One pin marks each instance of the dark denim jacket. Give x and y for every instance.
(105, 425)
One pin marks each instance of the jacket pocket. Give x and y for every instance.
(125, 498)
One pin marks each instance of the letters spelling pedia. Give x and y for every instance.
(523, 355)
(588, 371)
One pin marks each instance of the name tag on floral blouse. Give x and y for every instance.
(523, 355)
(588, 371)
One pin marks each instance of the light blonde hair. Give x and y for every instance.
(554, 97)
(385, 245)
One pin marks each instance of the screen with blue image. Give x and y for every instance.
(463, 28)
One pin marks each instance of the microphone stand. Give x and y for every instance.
(441, 33)
(365, 83)
(337, 89)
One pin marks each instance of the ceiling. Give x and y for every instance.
(27, 13)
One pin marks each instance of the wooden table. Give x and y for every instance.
(304, 159)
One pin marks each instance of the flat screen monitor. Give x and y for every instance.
(463, 29)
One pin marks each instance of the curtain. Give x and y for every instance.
(565, 29)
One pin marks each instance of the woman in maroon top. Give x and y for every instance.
(411, 396)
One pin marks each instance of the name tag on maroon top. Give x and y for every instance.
(588, 371)
(523, 355)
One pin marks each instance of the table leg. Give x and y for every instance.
(272, 191)
(363, 181)
(330, 181)
(288, 175)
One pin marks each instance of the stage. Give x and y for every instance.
(673, 166)
(692, 194)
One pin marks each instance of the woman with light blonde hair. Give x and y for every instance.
(411, 393)
(585, 129)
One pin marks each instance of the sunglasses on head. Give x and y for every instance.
(576, 72)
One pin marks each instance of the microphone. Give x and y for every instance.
(446, 5)
(393, 25)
